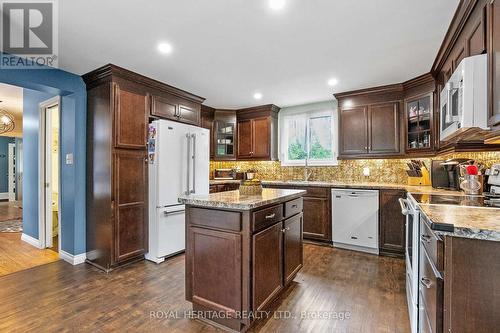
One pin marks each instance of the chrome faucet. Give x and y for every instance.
(307, 172)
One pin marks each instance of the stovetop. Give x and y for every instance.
(459, 200)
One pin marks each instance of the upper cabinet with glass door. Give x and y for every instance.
(419, 124)
(224, 135)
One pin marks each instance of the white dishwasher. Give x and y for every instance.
(355, 219)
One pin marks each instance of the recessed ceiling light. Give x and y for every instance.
(257, 95)
(165, 48)
(333, 82)
(277, 4)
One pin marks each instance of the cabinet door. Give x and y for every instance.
(392, 223)
(476, 38)
(292, 247)
(353, 131)
(261, 138)
(164, 107)
(245, 139)
(494, 62)
(131, 119)
(317, 223)
(267, 265)
(213, 265)
(189, 113)
(130, 182)
(384, 130)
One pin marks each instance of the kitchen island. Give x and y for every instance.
(242, 252)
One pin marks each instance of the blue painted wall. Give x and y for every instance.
(38, 84)
(4, 163)
(31, 122)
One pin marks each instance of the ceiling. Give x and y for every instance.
(227, 50)
(12, 102)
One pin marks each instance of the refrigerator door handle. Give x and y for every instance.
(188, 136)
(193, 137)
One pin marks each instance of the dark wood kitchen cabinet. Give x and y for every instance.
(241, 260)
(118, 111)
(317, 221)
(369, 122)
(354, 131)
(267, 265)
(257, 133)
(130, 203)
(175, 108)
(292, 247)
(383, 128)
(391, 224)
(371, 130)
(224, 135)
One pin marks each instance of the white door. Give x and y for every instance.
(49, 224)
(12, 172)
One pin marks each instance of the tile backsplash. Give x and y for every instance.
(384, 170)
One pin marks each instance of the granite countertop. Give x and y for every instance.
(235, 200)
(469, 222)
(224, 181)
(363, 185)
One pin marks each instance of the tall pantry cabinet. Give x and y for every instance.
(119, 104)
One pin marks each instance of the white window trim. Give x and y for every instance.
(318, 109)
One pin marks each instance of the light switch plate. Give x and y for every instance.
(69, 159)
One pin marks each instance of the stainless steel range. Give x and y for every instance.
(410, 208)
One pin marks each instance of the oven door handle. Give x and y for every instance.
(404, 206)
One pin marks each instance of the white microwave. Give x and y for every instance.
(463, 101)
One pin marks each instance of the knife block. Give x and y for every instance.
(425, 180)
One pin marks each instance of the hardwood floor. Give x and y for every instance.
(10, 210)
(61, 297)
(16, 255)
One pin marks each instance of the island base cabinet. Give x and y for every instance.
(292, 245)
(240, 261)
(266, 265)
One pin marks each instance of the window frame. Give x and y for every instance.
(308, 114)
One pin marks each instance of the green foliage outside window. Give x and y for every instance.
(296, 151)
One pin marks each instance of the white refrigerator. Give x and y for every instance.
(178, 164)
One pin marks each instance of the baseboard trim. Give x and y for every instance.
(4, 196)
(72, 259)
(31, 240)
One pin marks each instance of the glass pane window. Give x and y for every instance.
(296, 134)
(307, 136)
(320, 138)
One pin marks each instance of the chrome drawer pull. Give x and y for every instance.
(270, 216)
(426, 282)
(425, 238)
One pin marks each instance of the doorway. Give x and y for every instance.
(50, 217)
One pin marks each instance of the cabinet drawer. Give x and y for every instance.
(266, 217)
(430, 291)
(216, 219)
(432, 244)
(293, 207)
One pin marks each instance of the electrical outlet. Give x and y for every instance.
(366, 171)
